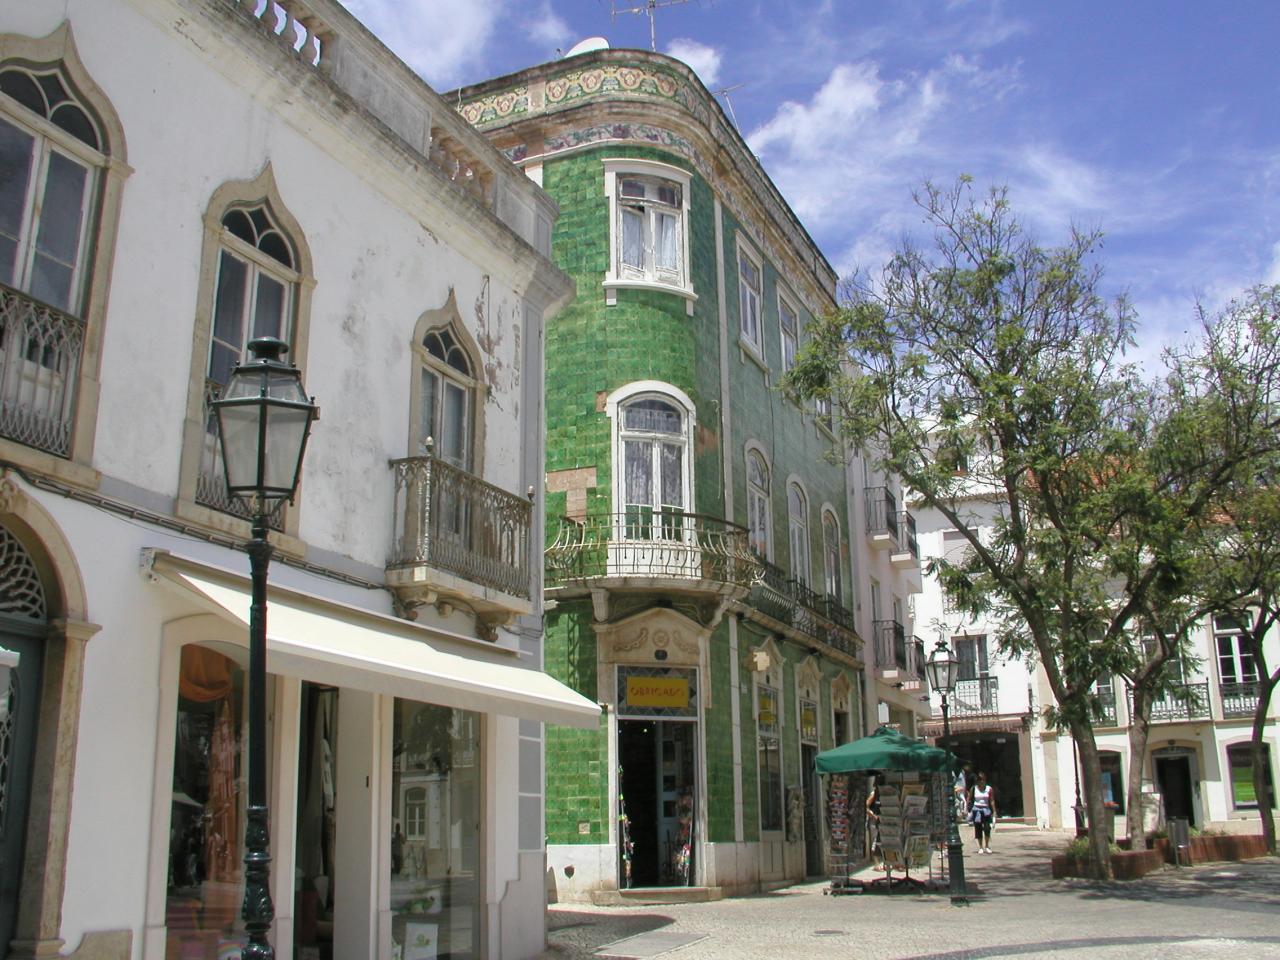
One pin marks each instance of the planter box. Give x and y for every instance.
(1125, 865)
(1239, 847)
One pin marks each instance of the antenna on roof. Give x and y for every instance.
(724, 92)
(648, 8)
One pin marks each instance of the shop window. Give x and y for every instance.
(57, 178)
(436, 813)
(648, 227)
(206, 823)
(769, 756)
(758, 506)
(1240, 766)
(1113, 785)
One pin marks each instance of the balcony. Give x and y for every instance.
(891, 645)
(976, 698)
(906, 555)
(1239, 699)
(40, 351)
(1184, 701)
(648, 549)
(882, 518)
(803, 613)
(459, 539)
(918, 660)
(1104, 713)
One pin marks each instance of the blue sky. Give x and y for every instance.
(1158, 122)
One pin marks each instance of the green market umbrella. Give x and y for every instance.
(886, 750)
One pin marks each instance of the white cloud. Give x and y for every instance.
(549, 28)
(702, 59)
(1273, 270)
(438, 40)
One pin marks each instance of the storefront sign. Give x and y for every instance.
(670, 692)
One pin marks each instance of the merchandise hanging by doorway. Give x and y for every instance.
(658, 760)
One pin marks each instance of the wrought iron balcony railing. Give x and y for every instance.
(976, 698)
(907, 524)
(918, 660)
(1184, 701)
(1239, 699)
(649, 543)
(891, 645)
(794, 604)
(882, 512)
(1105, 697)
(211, 481)
(454, 521)
(40, 354)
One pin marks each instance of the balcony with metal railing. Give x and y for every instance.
(891, 646)
(644, 549)
(918, 660)
(802, 612)
(1104, 713)
(882, 518)
(979, 697)
(459, 538)
(40, 354)
(1183, 701)
(1239, 699)
(907, 552)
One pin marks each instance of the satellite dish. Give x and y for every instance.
(589, 45)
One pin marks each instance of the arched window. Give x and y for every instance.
(254, 296)
(758, 508)
(446, 395)
(23, 622)
(798, 522)
(831, 557)
(255, 281)
(653, 457)
(59, 193)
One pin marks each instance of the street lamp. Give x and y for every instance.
(264, 418)
(942, 669)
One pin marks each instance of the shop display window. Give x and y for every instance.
(206, 825)
(435, 832)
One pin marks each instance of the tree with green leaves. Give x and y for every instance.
(988, 366)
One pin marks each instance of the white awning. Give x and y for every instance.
(328, 642)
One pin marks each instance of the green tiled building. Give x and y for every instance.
(698, 537)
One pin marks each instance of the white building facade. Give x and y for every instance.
(178, 177)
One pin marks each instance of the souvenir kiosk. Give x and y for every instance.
(915, 800)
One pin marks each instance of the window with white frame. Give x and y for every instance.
(652, 464)
(750, 290)
(798, 522)
(789, 326)
(648, 226)
(831, 557)
(1235, 658)
(47, 180)
(758, 505)
(255, 293)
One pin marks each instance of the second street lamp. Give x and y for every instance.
(942, 669)
(264, 419)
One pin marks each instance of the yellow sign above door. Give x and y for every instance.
(668, 692)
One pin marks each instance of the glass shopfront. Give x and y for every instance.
(435, 832)
(206, 825)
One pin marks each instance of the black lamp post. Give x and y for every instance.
(942, 669)
(264, 418)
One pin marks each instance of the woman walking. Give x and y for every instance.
(982, 811)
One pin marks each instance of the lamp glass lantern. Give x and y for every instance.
(264, 419)
(942, 668)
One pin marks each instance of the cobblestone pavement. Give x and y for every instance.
(1017, 911)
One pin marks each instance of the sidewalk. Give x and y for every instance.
(1017, 910)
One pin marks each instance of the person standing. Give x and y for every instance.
(982, 811)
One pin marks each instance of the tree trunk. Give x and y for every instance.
(1099, 816)
(1261, 763)
(1139, 734)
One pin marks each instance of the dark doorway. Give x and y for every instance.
(20, 670)
(657, 765)
(998, 755)
(812, 812)
(1174, 776)
(317, 818)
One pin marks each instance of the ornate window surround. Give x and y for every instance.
(614, 167)
(58, 49)
(261, 189)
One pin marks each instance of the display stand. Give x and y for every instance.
(909, 827)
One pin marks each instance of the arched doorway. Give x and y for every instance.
(23, 627)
